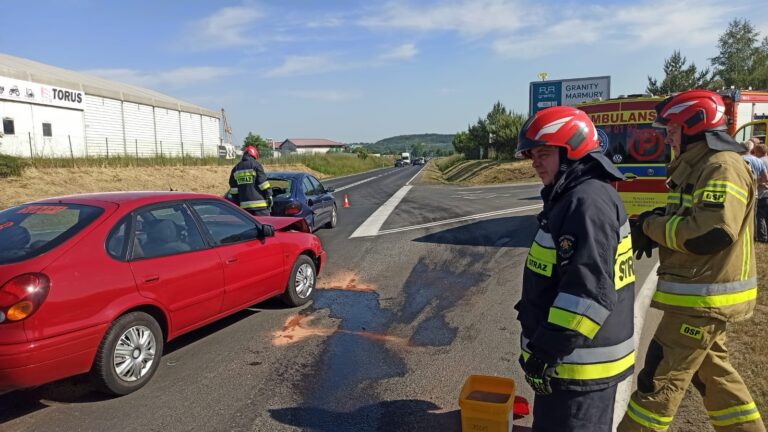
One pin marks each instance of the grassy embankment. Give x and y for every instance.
(457, 170)
(23, 180)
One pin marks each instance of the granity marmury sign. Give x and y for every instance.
(569, 92)
(36, 93)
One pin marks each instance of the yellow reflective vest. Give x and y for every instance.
(706, 254)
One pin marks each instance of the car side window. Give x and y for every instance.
(168, 230)
(118, 239)
(319, 189)
(225, 224)
(307, 186)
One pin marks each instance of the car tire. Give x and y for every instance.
(140, 340)
(301, 282)
(334, 218)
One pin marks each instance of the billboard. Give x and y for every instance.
(568, 92)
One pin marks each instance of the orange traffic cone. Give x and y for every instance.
(346, 201)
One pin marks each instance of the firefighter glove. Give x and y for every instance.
(641, 243)
(269, 201)
(538, 374)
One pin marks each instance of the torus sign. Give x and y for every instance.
(569, 92)
(36, 93)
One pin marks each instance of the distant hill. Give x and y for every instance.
(433, 144)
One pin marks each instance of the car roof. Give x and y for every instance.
(286, 174)
(137, 198)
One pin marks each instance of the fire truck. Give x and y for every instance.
(747, 113)
(627, 137)
(638, 149)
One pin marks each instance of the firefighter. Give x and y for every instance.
(576, 310)
(707, 275)
(248, 184)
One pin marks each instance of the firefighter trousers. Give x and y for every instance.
(686, 349)
(574, 411)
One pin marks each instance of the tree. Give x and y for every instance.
(759, 76)
(461, 143)
(678, 78)
(503, 127)
(740, 56)
(361, 152)
(260, 143)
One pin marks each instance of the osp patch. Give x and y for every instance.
(566, 246)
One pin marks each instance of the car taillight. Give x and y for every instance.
(292, 208)
(22, 296)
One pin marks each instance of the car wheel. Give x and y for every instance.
(128, 355)
(301, 282)
(334, 218)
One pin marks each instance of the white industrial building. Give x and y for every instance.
(49, 111)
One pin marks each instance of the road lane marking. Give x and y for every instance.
(373, 224)
(642, 305)
(459, 219)
(414, 176)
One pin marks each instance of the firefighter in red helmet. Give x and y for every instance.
(248, 184)
(707, 275)
(577, 305)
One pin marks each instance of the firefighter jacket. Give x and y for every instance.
(248, 184)
(707, 260)
(577, 306)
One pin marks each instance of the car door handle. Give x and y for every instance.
(151, 279)
(231, 260)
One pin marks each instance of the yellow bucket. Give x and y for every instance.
(486, 404)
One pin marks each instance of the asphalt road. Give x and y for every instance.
(409, 304)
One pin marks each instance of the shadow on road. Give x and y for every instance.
(391, 416)
(514, 231)
(403, 415)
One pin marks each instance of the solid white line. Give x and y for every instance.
(642, 304)
(374, 222)
(417, 173)
(460, 219)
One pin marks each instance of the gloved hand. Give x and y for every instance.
(270, 201)
(641, 243)
(538, 375)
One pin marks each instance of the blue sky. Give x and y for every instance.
(365, 70)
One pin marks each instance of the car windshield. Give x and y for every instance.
(31, 230)
(281, 187)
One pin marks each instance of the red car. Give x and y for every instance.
(100, 282)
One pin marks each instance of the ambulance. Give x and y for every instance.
(628, 138)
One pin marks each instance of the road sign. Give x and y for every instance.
(569, 92)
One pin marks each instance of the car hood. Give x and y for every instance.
(285, 223)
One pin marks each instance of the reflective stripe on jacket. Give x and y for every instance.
(577, 306)
(707, 261)
(248, 184)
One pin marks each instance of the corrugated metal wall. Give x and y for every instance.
(103, 126)
(211, 135)
(168, 132)
(192, 134)
(140, 129)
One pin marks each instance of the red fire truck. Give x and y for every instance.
(747, 113)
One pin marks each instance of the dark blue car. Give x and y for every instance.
(300, 194)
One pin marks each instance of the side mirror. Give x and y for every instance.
(330, 189)
(267, 231)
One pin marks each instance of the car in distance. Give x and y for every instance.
(99, 283)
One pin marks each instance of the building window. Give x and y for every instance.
(47, 132)
(8, 128)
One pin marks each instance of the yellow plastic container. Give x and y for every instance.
(486, 404)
